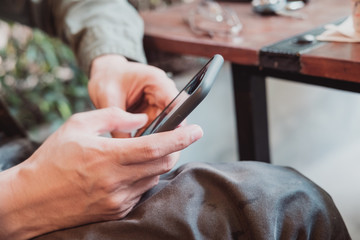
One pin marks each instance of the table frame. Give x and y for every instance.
(249, 84)
(272, 55)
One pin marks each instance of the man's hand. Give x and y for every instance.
(134, 87)
(78, 176)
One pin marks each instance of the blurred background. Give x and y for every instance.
(312, 129)
(40, 80)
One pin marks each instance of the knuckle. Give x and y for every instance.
(107, 185)
(113, 205)
(157, 71)
(160, 75)
(75, 121)
(118, 206)
(152, 151)
(182, 141)
(167, 164)
(121, 214)
(155, 181)
(76, 118)
(112, 111)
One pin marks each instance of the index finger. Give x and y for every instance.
(152, 147)
(162, 89)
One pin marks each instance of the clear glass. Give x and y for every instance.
(268, 6)
(356, 15)
(211, 19)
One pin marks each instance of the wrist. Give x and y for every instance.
(105, 61)
(18, 217)
(10, 224)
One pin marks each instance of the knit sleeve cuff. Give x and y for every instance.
(117, 41)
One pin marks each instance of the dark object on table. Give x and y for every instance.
(233, 0)
(305, 1)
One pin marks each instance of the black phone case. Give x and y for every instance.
(197, 88)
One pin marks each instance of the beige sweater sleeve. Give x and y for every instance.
(91, 27)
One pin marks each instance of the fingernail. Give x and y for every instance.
(196, 132)
(140, 116)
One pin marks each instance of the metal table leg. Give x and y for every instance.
(251, 113)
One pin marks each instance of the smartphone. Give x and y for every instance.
(188, 98)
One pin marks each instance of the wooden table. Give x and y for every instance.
(265, 48)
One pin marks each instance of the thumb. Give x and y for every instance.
(129, 123)
(107, 120)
